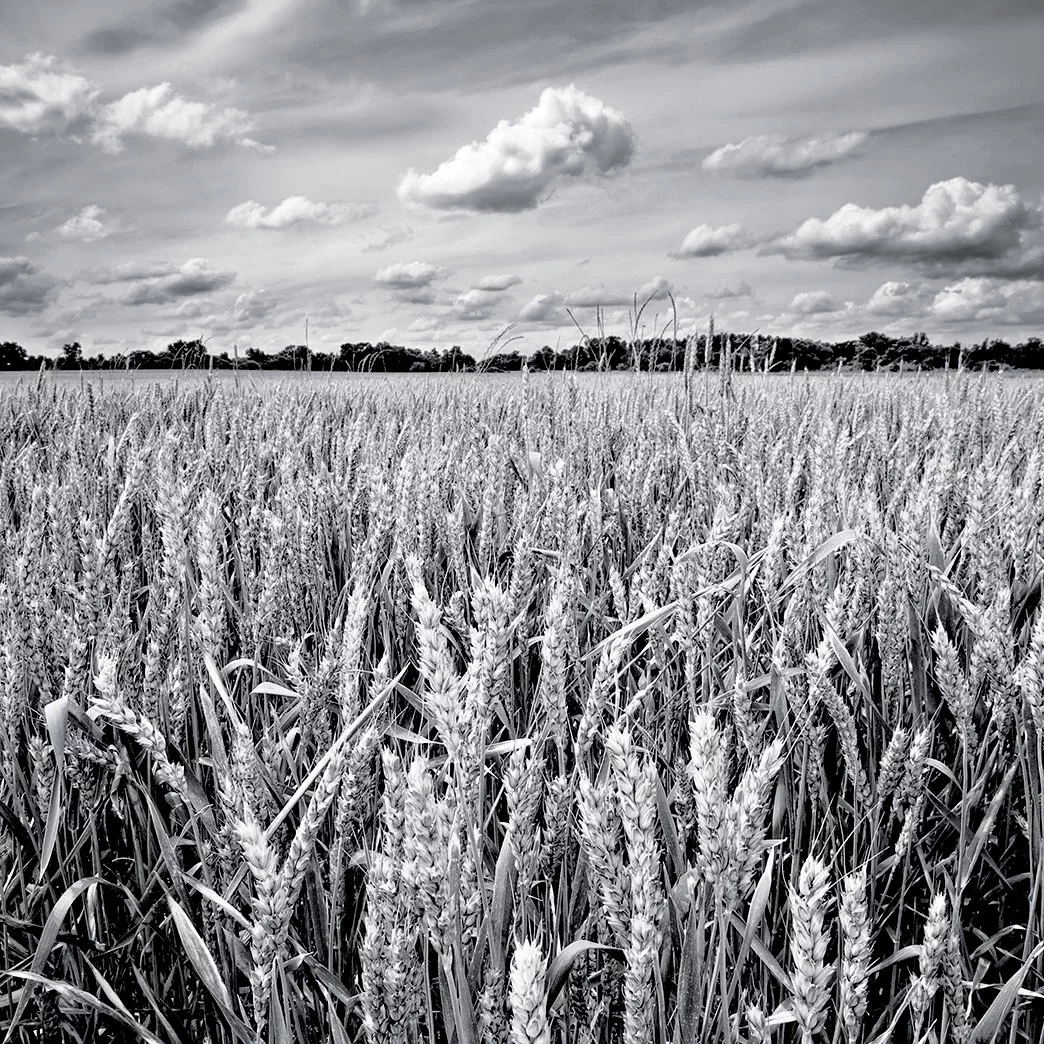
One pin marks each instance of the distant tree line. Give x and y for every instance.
(740, 352)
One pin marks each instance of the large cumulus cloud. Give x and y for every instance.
(569, 134)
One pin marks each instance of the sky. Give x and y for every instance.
(484, 172)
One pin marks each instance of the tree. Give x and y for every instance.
(72, 356)
(13, 356)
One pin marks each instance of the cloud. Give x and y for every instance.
(196, 276)
(569, 134)
(408, 275)
(815, 302)
(475, 305)
(543, 308)
(387, 237)
(728, 291)
(991, 301)
(658, 288)
(898, 299)
(599, 296)
(295, 210)
(88, 226)
(773, 156)
(960, 226)
(130, 272)
(24, 289)
(252, 306)
(497, 283)
(424, 324)
(160, 112)
(706, 241)
(43, 96)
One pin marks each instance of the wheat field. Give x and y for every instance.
(533, 709)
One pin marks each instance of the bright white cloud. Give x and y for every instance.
(569, 134)
(772, 155)
(160, 112)
(707, 241)
(294, 210)
(88, 226)
(497, 283)
(474, 305)
(408, 275)
(196, 276)
(959, 226)
(543, 308)
(43, 96)
(24, 289)
(990, 301)
(252, 306)
(658, 288)
(815, 302)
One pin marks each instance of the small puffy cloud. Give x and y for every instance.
(418, 295)
(196, 276)
(88, 226)
(729, 291)
(252, 306)
(898, 299)
(496, 284)
(160, 112)
(425, 324)
(569, 134)
(815, 302)
(707, 241)
(772, 155)
(24, 289)
(294, 210)
(601, 296)
(543, 308)
(991, 301)
(43, 96)
(657, 289)
(474, 306)
(408, 275)
(959, 226)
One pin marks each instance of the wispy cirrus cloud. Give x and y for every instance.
(567, 135)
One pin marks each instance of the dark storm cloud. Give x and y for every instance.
(24, 289)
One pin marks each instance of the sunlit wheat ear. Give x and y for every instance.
(527, 996)
(853, 985)
(933, 951)
(112, 707)
(746, 822)
(707, 773)
(757, 1025)
(811, 976)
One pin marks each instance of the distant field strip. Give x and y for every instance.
(532, 709)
